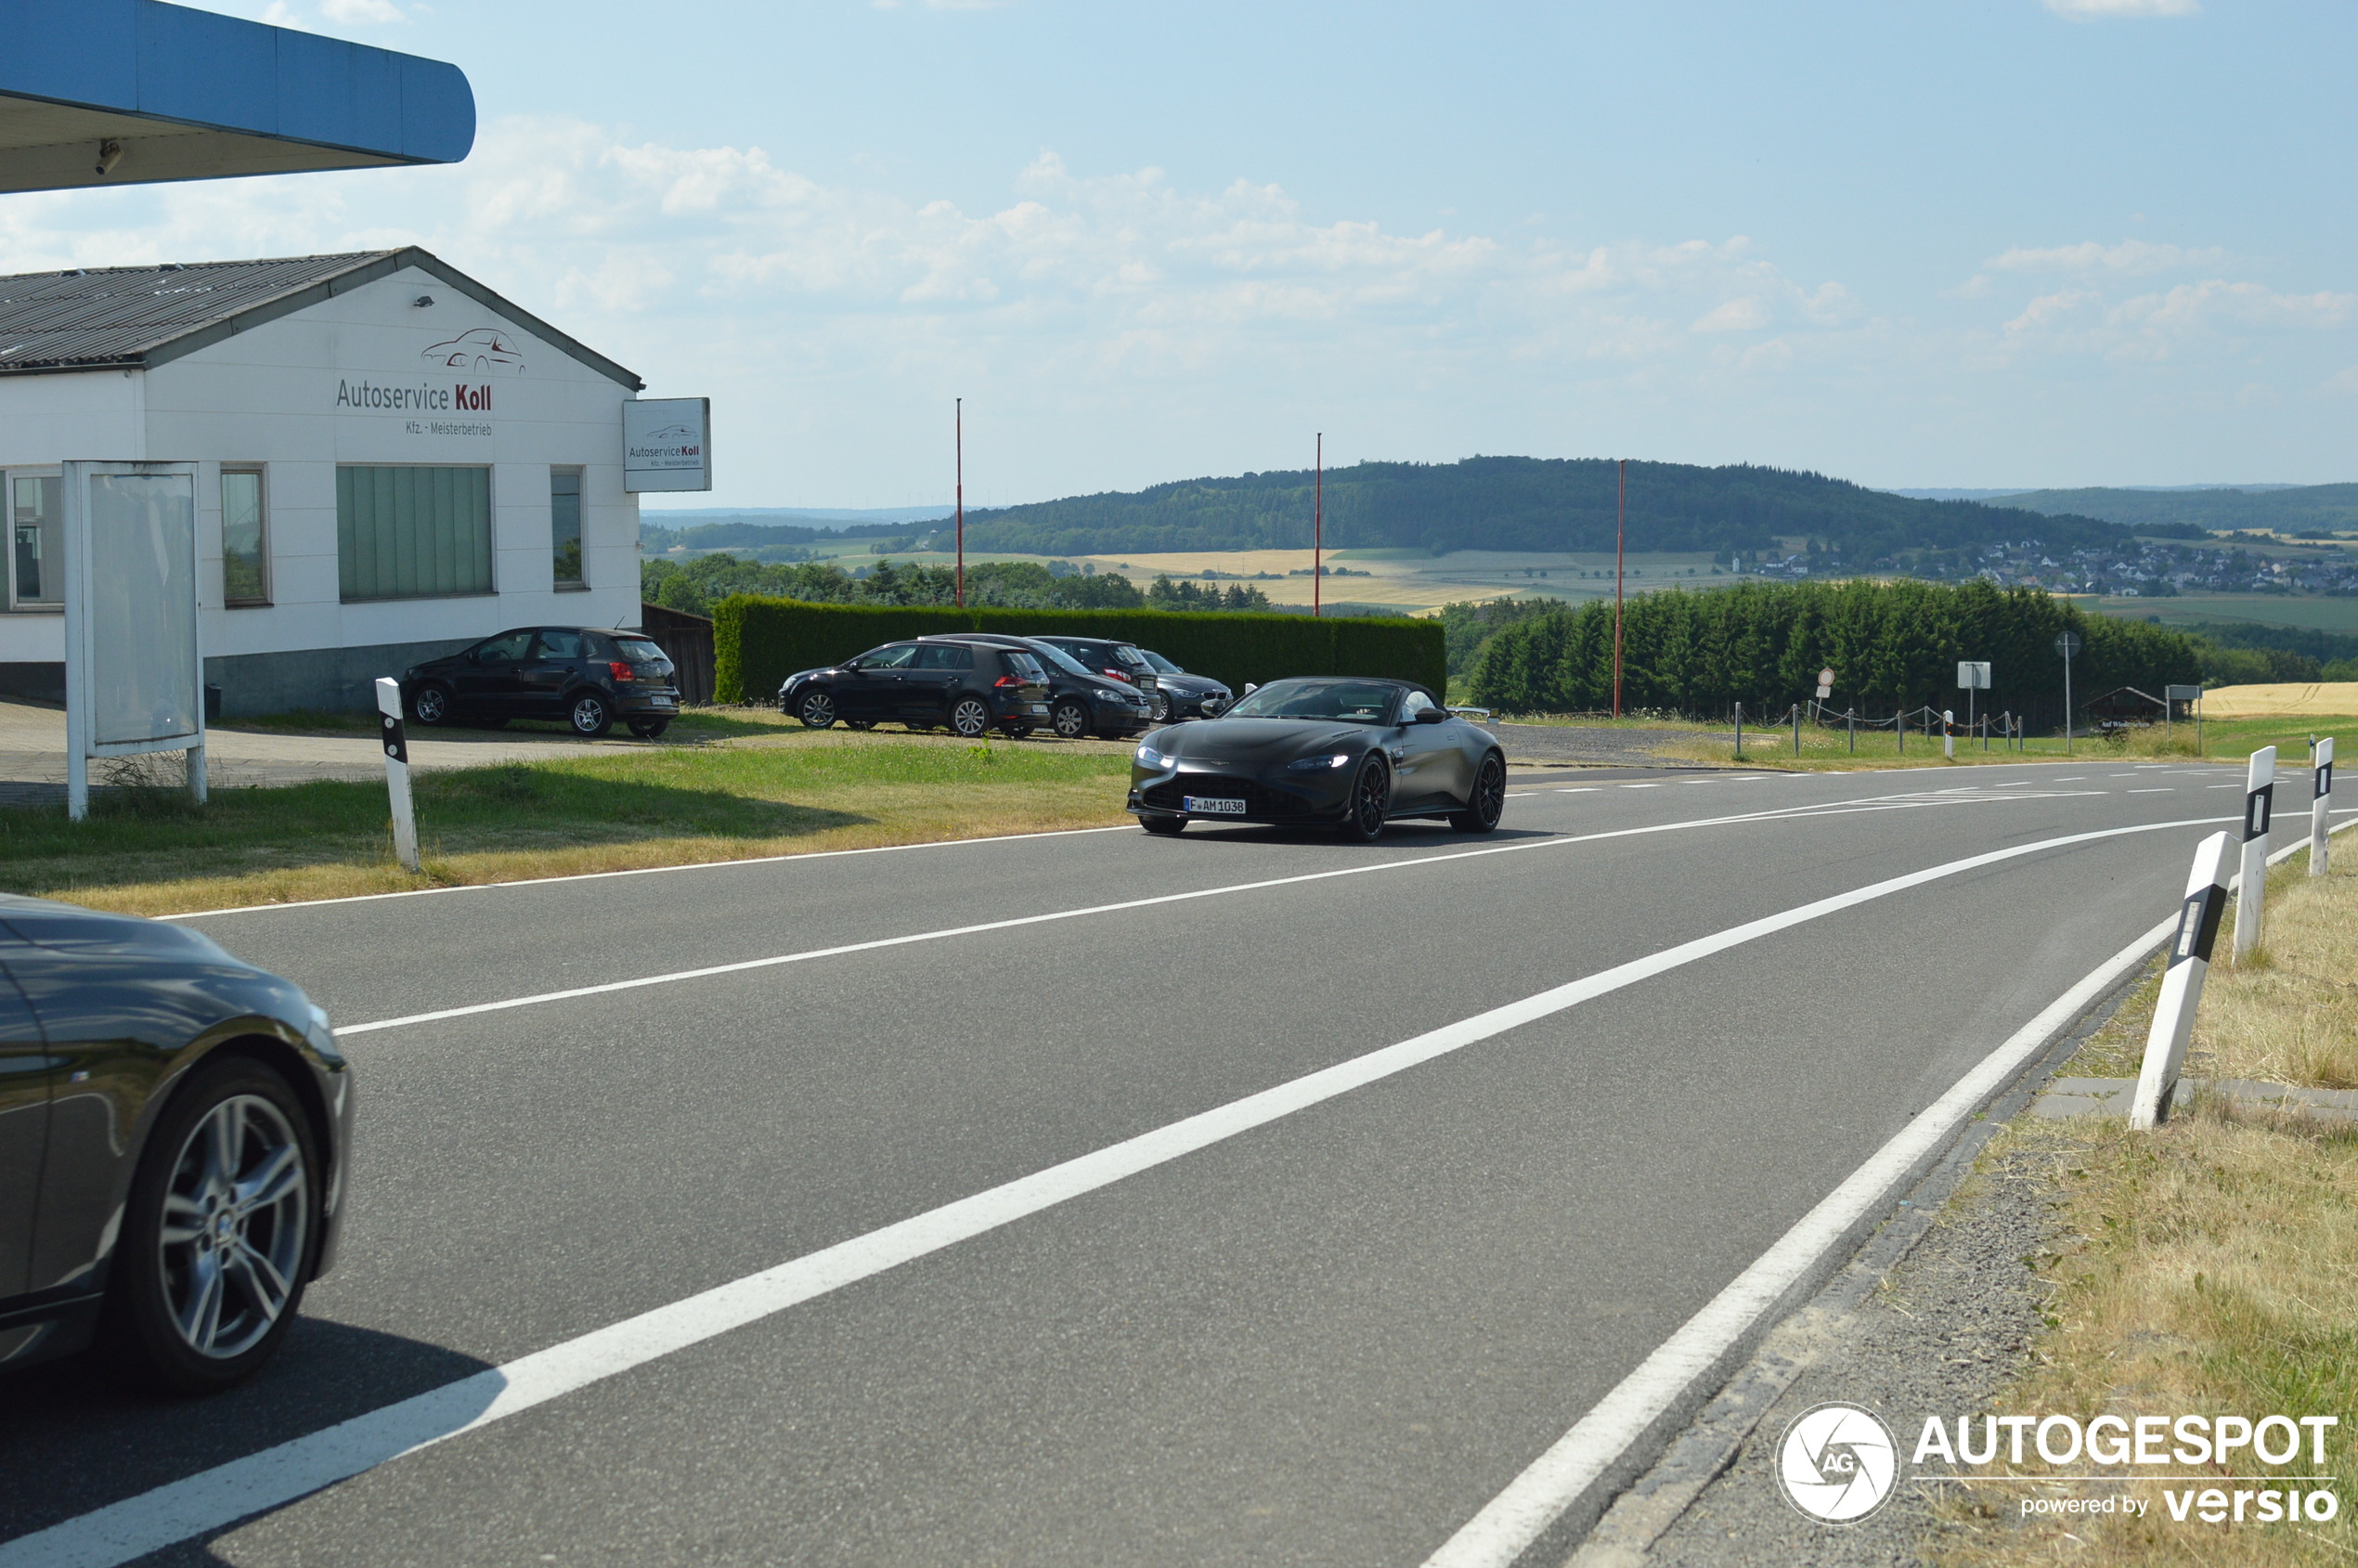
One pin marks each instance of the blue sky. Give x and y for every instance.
(1947, 242)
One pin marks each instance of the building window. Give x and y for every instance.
(565, 526)
(36, 556)
(245, 546)
(413, 533)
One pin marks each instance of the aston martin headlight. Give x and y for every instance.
(1313, 764)
(1153, 758)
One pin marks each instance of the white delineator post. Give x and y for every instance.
(1948, 733)
(405, 817)
(2182, 983)
(2320, 787)
(2259, 794)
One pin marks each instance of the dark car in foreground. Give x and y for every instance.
(1080, 704)
(1336, 751)
(175, 1126)
(971, 687)
(581, 675)
(1180, 695)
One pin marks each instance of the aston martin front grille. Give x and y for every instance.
(1259, 800)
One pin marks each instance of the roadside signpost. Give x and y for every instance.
(1973, 675)
(2320, 787)
(2182, 984)
(2251, 902)
(2068, 644)
(405, 816)
(2172, 695)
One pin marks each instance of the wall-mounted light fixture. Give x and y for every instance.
(109, 154)
(422, 302)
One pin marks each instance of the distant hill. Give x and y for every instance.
(2289, 508)
(1525, 504)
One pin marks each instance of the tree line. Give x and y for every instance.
(698, 585)
(1892, 646)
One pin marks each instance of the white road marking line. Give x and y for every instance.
(1837, 808)
(1641, 786)
(1581, 789)
(2017, 784)
(649, 870)
(2152, 789)
(223, 1494)
(2222, 786)
(1521, 1514)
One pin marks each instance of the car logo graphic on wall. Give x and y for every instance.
(478, 348)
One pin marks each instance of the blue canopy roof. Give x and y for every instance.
(126, 92)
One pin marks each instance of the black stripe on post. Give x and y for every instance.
(2198, 924)
(396, 743)
(2256, 805)
(2323, 781)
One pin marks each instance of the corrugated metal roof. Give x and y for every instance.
(141, 317)
(117, 315)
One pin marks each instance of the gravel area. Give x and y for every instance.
(1950, 1327)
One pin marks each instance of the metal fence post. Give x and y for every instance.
(2321, 788)
(405, 817)
(2251, 900)
(2182, 983)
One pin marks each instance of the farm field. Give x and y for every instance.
(2319, 614)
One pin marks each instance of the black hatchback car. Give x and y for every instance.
(972, 687)
(175, 1126)
(1080, 704)
(581, 675)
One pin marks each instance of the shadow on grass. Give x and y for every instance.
(159, 836)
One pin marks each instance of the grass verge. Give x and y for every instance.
(2210, 1268)
(152, 852)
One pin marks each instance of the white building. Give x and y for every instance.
(394, 463)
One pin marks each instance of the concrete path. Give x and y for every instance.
(32, 753)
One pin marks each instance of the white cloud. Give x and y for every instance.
(2084, 10)
(2132, 256)
(355, 12)
(1745, 315)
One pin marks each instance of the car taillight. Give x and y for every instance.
(1118, 676)
(622, 671)
(1006, 681)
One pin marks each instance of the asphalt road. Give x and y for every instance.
(1330, 1338)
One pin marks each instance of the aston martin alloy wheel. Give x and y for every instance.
(1488, 800)
(817, 711)
(970, 718)
(1071, 720)
(1371, 802)
(591, 715)
(218, 1232)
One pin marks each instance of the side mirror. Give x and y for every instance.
(1250, 687)
(1433, 716)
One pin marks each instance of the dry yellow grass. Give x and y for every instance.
(2316, 698)
(2209, 1268)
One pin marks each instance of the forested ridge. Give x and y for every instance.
(1523, 504)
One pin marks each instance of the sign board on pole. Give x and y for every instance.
(666, 444)
(2181, 693)
(1973, 675)
(1825, 684)
(135, 676)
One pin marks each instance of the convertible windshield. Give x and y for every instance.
(1358, 702)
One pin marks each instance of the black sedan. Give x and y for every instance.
(1350, 753)
(971, 686)
(581, 675)
(175, 1131)
(1080, 704)
(1179, 694)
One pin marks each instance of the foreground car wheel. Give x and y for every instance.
(218, 1233)
(817, 711)
(1488, 801)
(970, 719)
(1165, 826)
(1370, 799)
(431, 705)
(591, 717)
(1070, 722)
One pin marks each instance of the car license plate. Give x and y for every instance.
(661, 702)
(1040, 707)
(1212, 805)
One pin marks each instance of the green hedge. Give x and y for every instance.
(1891, 645)
(757, 642)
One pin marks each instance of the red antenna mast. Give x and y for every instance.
(959, 412)
(1318, 528)
(1620, 535)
